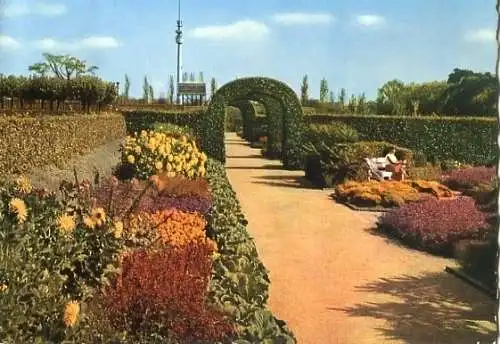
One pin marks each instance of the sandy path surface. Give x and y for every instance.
(335, 281)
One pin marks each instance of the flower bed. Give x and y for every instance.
(470, 179)
(436, 225)
(174, 259)
(388, 194)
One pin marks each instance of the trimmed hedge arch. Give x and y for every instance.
(283, 112)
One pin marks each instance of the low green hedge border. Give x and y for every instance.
(240, 282)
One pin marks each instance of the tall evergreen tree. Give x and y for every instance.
(171, 90)
(323, 90)
(331, 98)
(192, 77)
(151, 93)
(342, 97)
(304, 90)
(213, 87)
(145, 89)
(200, 77)
(126, 90)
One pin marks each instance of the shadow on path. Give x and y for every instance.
(433, 308)
(262, 167)
(250, 156)
(299, 182)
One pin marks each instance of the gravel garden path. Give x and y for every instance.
(334, 280)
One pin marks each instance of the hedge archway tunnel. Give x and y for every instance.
(284, 117)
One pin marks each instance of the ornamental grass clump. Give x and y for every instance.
(164, 293)
(155, 152)
(436, 225)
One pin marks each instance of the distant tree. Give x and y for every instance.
(151, 93)
(391, 98)
(185, 77)
(304, 90)
(331, 98)
(62, 66)
(200, 77)
(323, 91)
(192, 77)
(145, 89)
(213, 87)
(126, 90)
(352, 105)
(342, 98)
(362, 105)
(171, 90)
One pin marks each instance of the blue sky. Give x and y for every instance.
(358, 45)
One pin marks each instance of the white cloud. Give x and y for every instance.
(240, 30)
(36, 8)
(99, 42)
(370, 20)
(93, 42)
(301, 18)
(7, 42)
(481, 36)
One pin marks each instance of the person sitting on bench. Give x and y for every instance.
(394, 165)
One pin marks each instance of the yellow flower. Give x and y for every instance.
(137, 150)
(118, 229)
(131, 159)
(169, 167)
(98, 215)
(71, 313)
(23, 184)
(170, 174)
(158, 165)
(17, 206)
(3, 287)
(66, 223)
(89, 222)
(170, 157)
(203, 157)
(202, 171)
(190, 173)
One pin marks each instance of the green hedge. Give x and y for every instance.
(30, 142)
(469, 140)
(211, 141)
(240, 283)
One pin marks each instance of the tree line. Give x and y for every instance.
(464, 93)
(54, 81)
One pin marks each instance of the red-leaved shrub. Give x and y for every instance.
(435, 225)
(467, 178)
(164, 292)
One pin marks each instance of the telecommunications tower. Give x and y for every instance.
(178, 40)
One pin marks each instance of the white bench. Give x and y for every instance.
(376, 168)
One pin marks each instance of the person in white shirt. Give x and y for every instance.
(394, 165)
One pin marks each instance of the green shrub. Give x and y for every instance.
(24, 140)
(331, 134)
(426, 172)
(468, 140)
(240, 282)
(327, 166)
